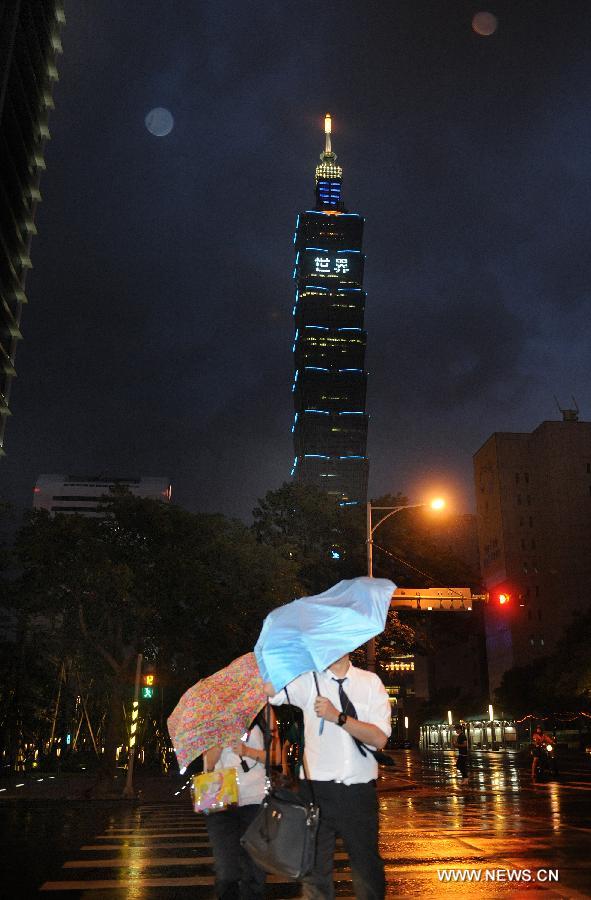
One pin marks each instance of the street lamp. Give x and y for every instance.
(437, 503)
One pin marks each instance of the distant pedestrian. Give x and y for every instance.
(461, 745)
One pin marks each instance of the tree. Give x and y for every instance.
(325, 541)
(188, 591)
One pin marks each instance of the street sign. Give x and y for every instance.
(436, 599)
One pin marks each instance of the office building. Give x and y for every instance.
(86, 495)
(534, 522)
(329, 388)
(29, 48)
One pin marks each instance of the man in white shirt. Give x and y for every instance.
(347, 717)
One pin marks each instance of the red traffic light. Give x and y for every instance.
(502, 595)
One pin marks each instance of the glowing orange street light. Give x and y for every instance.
(436, 504)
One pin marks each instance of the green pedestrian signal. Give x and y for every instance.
(148, 686)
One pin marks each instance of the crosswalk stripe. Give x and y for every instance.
(123, 884)
(143, 863)
(147, 862)
(143, 846)
(110, 837)
(147, 829)
(166, 819)
(137, 883)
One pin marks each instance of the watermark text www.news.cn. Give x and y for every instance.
(540, 876)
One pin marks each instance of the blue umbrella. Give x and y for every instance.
(311, 633)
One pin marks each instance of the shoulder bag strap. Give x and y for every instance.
(267, 742)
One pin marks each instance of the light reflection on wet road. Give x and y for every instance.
(432, 825)
(498, 821)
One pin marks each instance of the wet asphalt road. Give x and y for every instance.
(478, 834)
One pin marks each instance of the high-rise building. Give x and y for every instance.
(329, 388)
(86, 495)
(534, 525)
(29, 47)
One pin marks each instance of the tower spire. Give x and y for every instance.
(328, 175)
(327, 132)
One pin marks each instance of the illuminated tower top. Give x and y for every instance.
(329, 176)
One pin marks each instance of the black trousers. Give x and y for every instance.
(462, 764)
(350, 811)
(237, 877)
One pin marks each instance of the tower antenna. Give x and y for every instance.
(327, 132)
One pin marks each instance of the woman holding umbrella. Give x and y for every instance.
(237, 877)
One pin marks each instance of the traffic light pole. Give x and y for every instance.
(370, 647)
(128, 791)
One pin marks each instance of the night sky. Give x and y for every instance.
(158, 334)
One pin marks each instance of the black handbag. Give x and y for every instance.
(281, 839)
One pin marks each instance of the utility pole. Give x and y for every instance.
(370, 647)
(128, 791)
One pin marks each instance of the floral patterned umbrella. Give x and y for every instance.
(217, 710)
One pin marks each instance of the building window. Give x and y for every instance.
(526, 477)
(533, 544)
(542, 641)
(529, 615)
(531, 522)
(523, 543)
(588, 468)
(528, 500)
(517, 478)
(537, 590)
(520, 521)
(518, 499)
(525, 568)
(539, 615)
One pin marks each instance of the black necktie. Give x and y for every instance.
(349, 710)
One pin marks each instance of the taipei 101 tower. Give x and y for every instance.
(329, 387)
